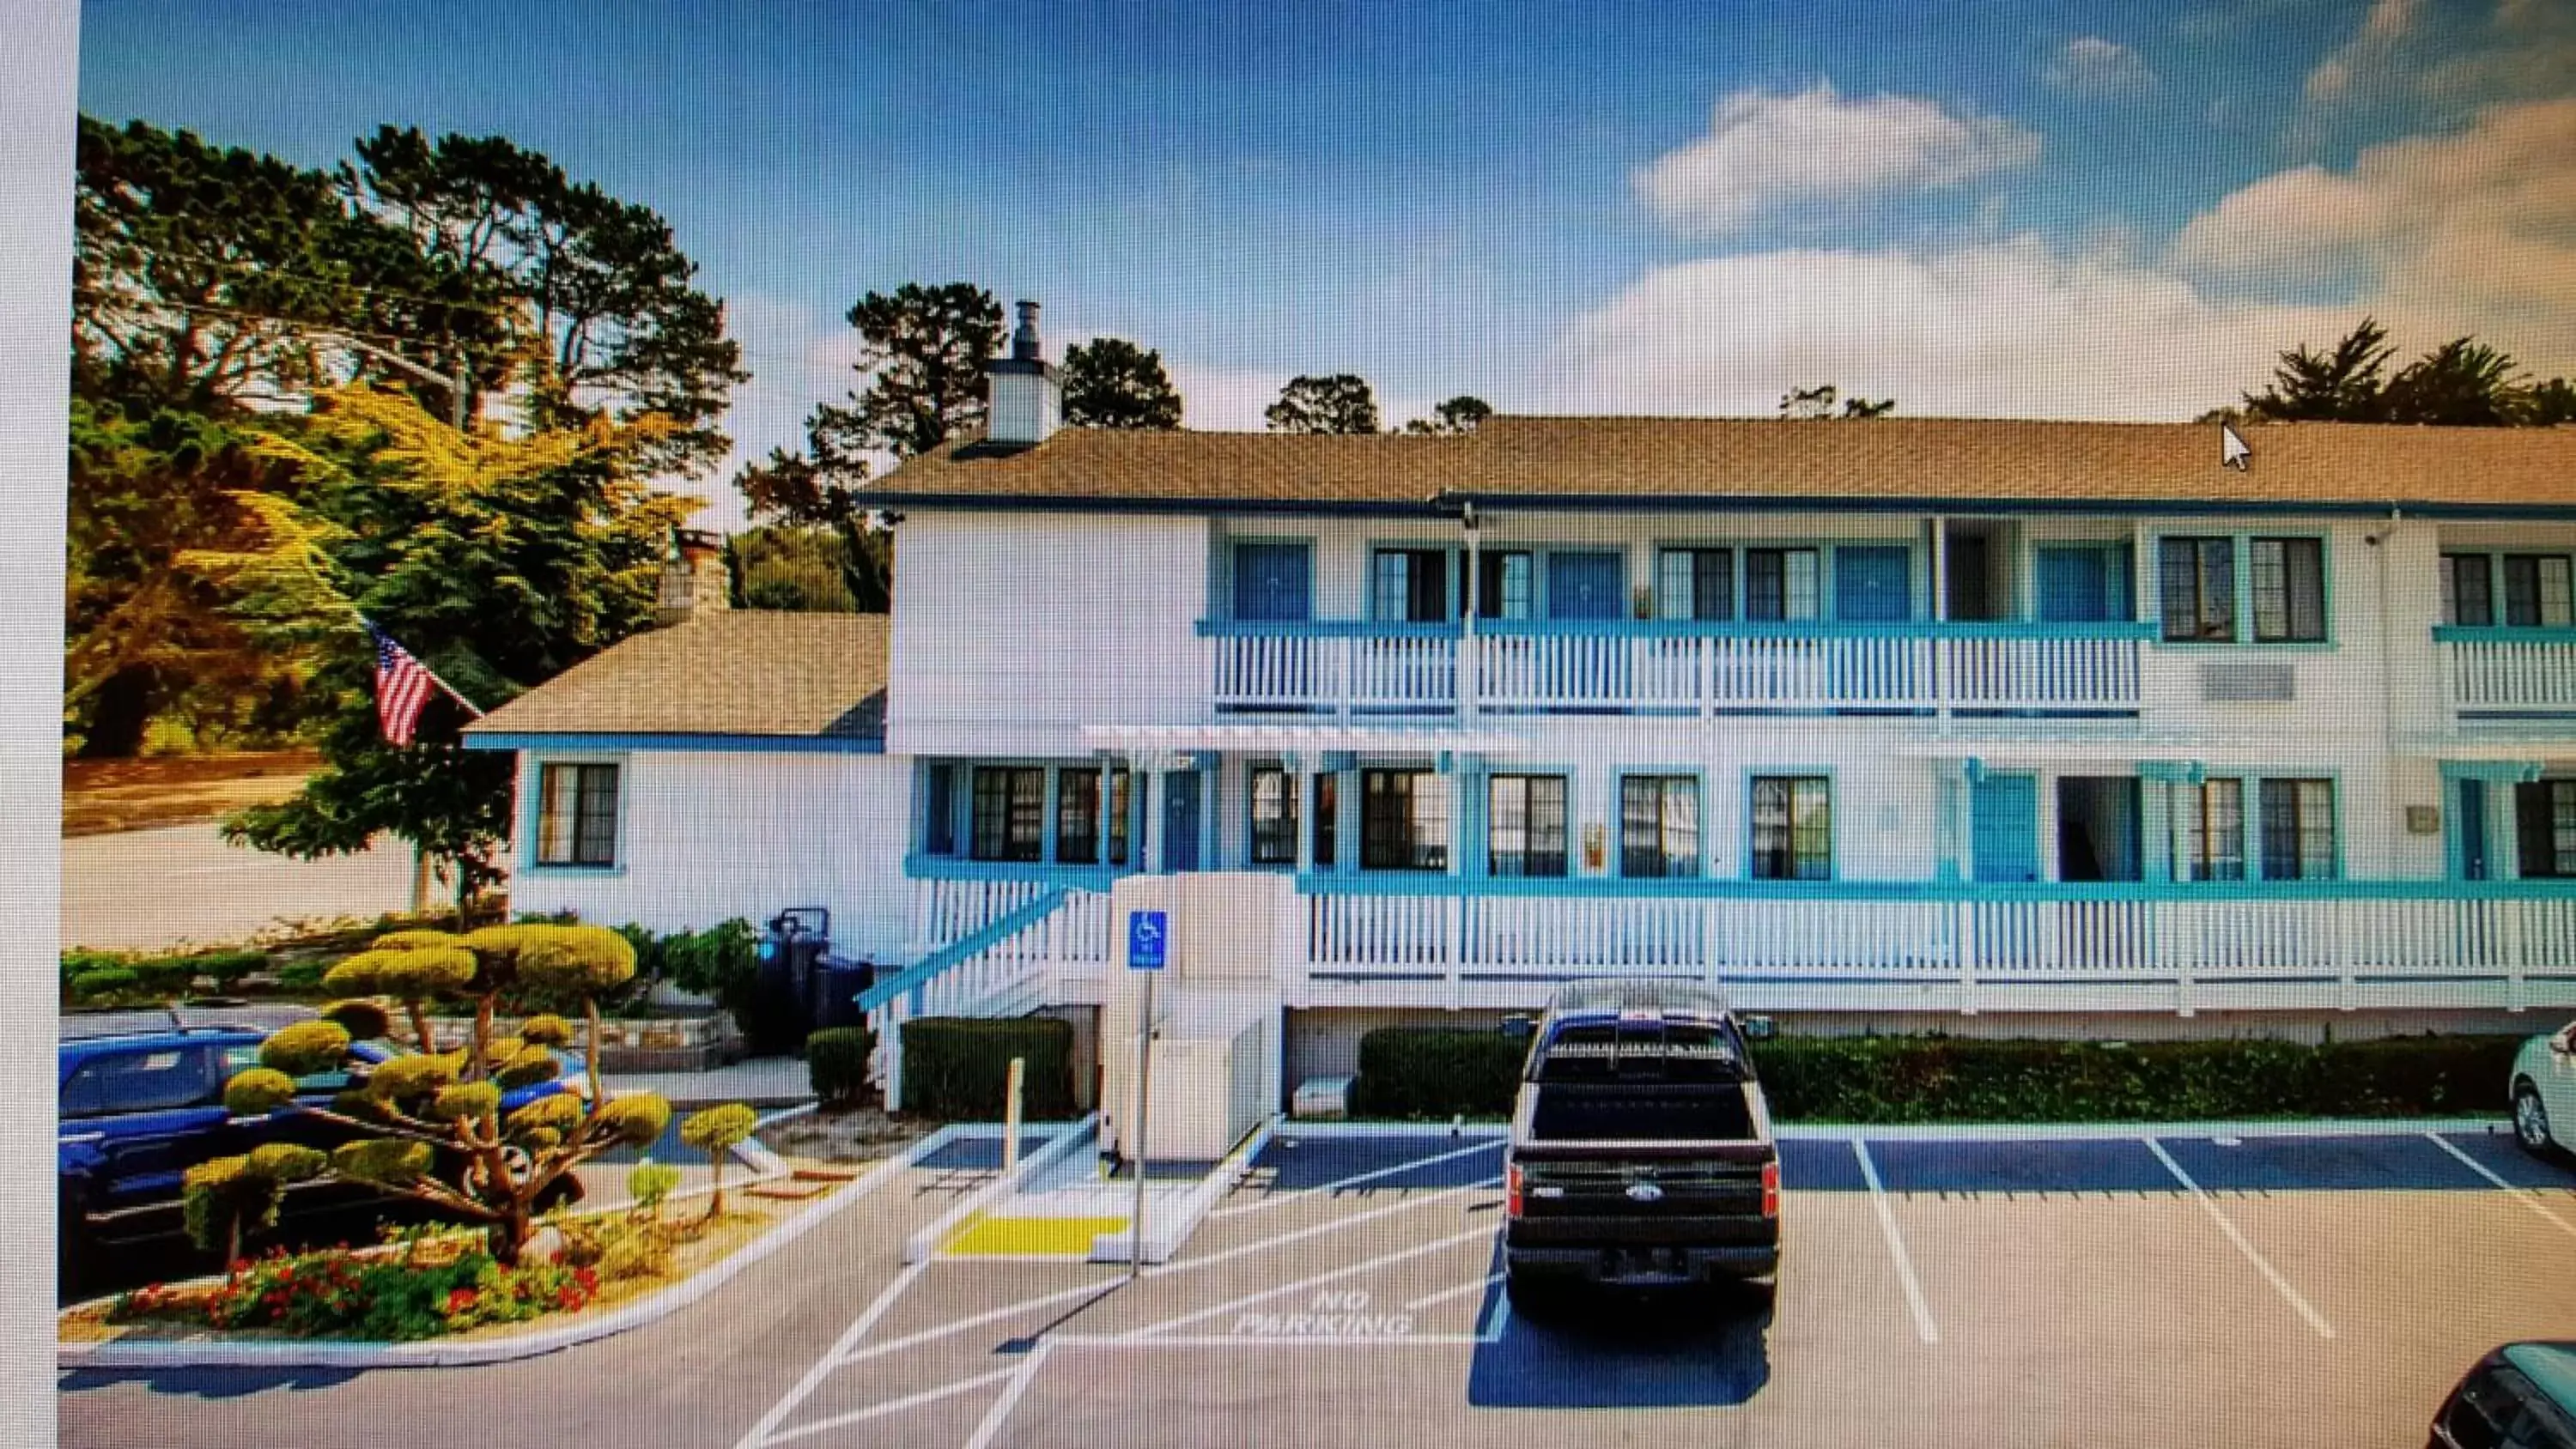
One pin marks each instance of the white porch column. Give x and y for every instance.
(1468, 665)
(1147, 781)
(1301, 774)
(1941, 647)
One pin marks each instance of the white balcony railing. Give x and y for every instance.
(2341, 944)
(1684, 669)
(2507, 672)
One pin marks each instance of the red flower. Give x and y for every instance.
(460, 1300)
(586, 1278)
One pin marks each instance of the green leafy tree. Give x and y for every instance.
(716, 1132)
(431, 1124)
(795, 567)
(1340, 403)
(604, 317)
(2340, 384)
(499, 561)
(2462, 383)
(1456, 417)
(2552, 404)
(1812, 403)
(1112, 383)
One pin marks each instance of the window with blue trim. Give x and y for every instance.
(1274, 816)
(1010, 813)
(1793, 827)
(1119, 809)
(2289, 577)
(1404, 820)
(2298, 829)
(2544, 828)
(1695, 583)
(2210, 817)
(1077, 817)
(1782, 584)
(939, 829)
(1525, 825)
(2468, 590)
(2537, 591)
(1409, 585)
(577, 815)
(1506, 584)
(1659, 826)
(2199, 588)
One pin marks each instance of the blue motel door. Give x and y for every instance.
(2004, 815)
(1181, 821)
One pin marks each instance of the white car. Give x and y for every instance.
(2544, 1092)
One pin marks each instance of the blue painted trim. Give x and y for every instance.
(964, 947)
(736, 744)
(2500, 634)
(529, 807)
(917, 866)
(1614, 887)
(1810, 629)
(1323, 629)
(2494, 772)
(1614, 864)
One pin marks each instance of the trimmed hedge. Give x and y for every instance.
(1418, 1072)
(1430, 1072)
(167, 975)
(957, 1068)
(837, 1059)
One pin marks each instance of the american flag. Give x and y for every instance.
(402, 687)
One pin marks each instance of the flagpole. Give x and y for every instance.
(375, 633)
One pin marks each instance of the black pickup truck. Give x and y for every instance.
(1641, 1151)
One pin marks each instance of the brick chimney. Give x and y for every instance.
(1027, 399)
(693, 577)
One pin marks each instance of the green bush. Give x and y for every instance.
(958, 1068)
(301, 977)
(1415, 1072)
(104, 983)
(837, 1058)
(1421, 1072)
(77, 964)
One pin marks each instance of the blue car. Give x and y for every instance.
(136, 1110)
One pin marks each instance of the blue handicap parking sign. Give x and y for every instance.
(1148, 933)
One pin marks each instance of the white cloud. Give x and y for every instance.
(2011, 329)
(2436, 65)
(2091, 68)
(2365, 61)
(1766, 151)
(2443, 234)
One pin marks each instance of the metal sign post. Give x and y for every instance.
(1148, 933)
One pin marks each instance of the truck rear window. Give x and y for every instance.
(1596, 1112)
(1653, 1051)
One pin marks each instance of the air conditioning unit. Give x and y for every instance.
(2243, 681)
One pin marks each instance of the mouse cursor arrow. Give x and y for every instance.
(2232, 452)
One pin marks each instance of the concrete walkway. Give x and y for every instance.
(759, 1082)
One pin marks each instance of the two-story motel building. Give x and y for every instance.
(1904, 722)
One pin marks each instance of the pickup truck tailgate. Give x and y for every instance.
(1641, 1200)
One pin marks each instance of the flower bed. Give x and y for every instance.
(427, 1283)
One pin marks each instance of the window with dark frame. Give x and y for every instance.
(2289, 582)
(1658, 826)
(1506, 584)
(1010, 813)
(1404, 820)
(1781, 584)
(2212, 815)
(1274, 816)
(1119, 810)
(2544, 828)
(2298, 829)
(1327, 787)
(1793, 827)
(1525, 825)
(1077, 817)
(1696, 584)
(577, 815)
(2198, 577)
(2537, 591)
(1409, 585)
(2468, 590)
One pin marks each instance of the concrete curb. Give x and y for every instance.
(922, 1244)
(281, 1355)
(1161, 1244)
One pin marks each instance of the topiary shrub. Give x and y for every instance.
(1419, 1073)
(837, 1060)
(363, 1020)
(958, 1068)
(716, 1132)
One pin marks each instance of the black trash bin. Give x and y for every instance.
(781, 1015)
(838, 980)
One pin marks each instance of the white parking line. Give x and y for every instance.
(993, 1315)
(1475, 1285)
(1222, 1340)
(890, 1406)
(1275, 1199)
(2519, 1195)
(1922, 1311)
(759, 1433)
(1345, 1271)
(1336, 1225)
(1010, 1399)
(2270, 1274)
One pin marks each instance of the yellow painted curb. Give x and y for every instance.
(994, 1235)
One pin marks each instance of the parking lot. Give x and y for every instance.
(2106, 1288)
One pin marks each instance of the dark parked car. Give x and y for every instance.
(1641, 1151)
(2522, 1396)
(136, 1110)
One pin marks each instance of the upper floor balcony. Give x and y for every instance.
(1677, 668)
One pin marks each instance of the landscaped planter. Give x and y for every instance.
(656, 1044)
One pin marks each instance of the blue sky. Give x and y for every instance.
(2096, 210)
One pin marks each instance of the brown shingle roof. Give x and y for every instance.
(1992, 460)
(747, 672)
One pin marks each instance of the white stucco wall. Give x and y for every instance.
(708, 835)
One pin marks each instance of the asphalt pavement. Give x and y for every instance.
(183, 885)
